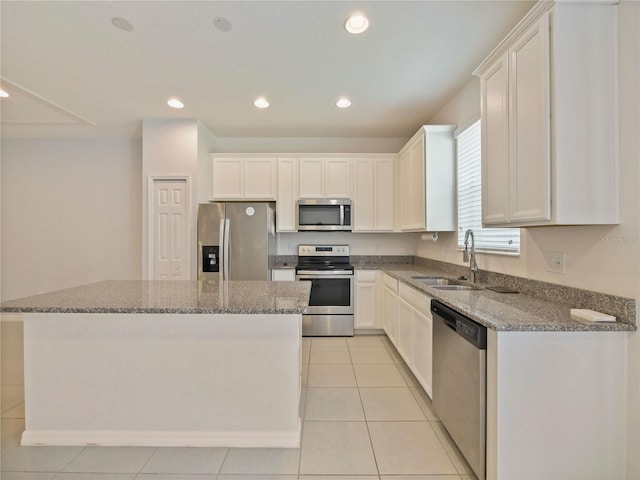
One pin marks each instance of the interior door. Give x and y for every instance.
(170, 230)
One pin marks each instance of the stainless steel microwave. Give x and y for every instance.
(324, 214)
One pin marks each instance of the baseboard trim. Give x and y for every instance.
(137, 438)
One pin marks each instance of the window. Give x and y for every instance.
(496, 240)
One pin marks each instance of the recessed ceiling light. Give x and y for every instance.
(343, 102)
(261, 102)
(3, 94)
(175, 103)
(356, 23)
(222, 24)
(122, 24)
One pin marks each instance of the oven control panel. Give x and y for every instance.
(323, 250)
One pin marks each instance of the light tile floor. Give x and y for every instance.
(365, 417)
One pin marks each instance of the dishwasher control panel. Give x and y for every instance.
(471, 331)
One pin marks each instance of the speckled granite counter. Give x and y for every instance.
(129, 296)
(499, 311)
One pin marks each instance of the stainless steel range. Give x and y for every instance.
(328, 269)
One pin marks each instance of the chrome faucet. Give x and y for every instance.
(470, 256)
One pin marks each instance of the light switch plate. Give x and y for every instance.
(556, 262)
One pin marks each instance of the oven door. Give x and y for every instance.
(330, 294)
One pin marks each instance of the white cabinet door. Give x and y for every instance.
(415, 179)
(311, 178)
(240, 178)
(516, 155)
(228, 181)
(283, 275)
(366, 299)
(404, 343)
(412, 181)
(383, 194)
(427, 180)
(373, 194)
(495, 143)
(423, 349)
(337, 173)
(325, 178)
(390, 314)
(287, 195)
(363, 195)
(417, 342)
(260, 178)
(529, 122)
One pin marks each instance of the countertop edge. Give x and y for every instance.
(177, 311)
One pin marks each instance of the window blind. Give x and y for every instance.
(469, 152)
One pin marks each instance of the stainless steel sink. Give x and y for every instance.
(455, 287)
(432, 280)
(442, 283)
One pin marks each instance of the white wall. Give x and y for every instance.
(70, 213)
(174, 148)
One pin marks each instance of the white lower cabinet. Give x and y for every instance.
(283, 275)
(403, 339)
(366, 299)
(390, 306)
(556, 405)
(410, 328)
(423, 349)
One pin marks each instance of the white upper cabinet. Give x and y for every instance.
(427, 180)
(549, 117)
(240, 178)
(287, 195)
(372, 193)
(324, 177)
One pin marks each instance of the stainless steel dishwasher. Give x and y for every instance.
(460, 382)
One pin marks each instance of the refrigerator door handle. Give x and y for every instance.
(227, 231)
(223, 257)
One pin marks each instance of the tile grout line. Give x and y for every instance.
(146, 462)
(366, 422)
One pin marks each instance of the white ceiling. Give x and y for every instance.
(71, 73)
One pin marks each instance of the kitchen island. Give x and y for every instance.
(164, 363)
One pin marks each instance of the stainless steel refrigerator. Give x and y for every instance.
(236, 240)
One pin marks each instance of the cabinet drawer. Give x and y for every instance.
(283, 274)
(416, 299)
(367, 275)
(390, 282)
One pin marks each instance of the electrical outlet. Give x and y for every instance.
(556, 261)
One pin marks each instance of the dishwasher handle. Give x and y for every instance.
(471, 331)
(451, 323)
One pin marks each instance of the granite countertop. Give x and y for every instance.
(169, 296)
(499, 311)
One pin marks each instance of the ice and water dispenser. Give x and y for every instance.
(210, 258)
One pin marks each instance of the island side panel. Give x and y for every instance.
(556, 405)
(162, 379)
